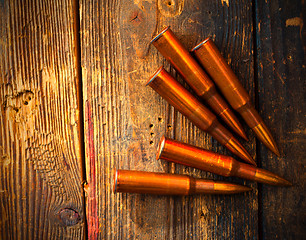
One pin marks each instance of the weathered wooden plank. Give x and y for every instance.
(281, 84)
(216, 217)
(40, 175)
(124, 120)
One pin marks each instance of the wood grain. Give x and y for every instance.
(124, 120)
(41, 119)
(281, 84)
(216, 217)
(40, 167)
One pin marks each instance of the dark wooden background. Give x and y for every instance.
(74, 106)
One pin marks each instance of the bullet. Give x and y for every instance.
(175, 94)
(170, 184)
(188, 155)
(216, 66)
(172, 49)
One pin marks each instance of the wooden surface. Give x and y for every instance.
(61, 92)
(281, 87)
(124, 120)
(40, 175)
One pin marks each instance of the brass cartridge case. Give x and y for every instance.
(175, 94)
(170, 184)
(188, 155)
(216, 66)
(172, 49)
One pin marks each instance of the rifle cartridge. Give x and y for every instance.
(175, 94)
(216, 66)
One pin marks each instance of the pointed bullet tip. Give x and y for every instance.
(286, 183)
(230, 188)
(228, 116)
(240, 189)
(283, 183)
(247, 189)
(267, 177)
(272, 146)
(245, 137)
(240, 151)
(266, 138)
(253, 162)
(276, 151)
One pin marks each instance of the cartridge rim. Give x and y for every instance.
(165, 29)
(200, 44)
(154, 75)
(115, 180)
(161, 146)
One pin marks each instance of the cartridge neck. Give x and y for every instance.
(243, 170)
(259, 175)
(203, 186)
(220, 133)
(250, 115)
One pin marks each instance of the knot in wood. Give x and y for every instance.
(69, 216)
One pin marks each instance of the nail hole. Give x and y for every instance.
(169, 3)
(26, 103)
(151, 125)
(151, 142)
(30, 98)
(160, 119)
(152, 134)
(169, 127)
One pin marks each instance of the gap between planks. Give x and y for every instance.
(256, 93)
(77, 44)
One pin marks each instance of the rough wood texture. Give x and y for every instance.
(40, 175)
(281, 84)
(124, 120)
(41, 137)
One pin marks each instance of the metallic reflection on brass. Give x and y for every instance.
(211, 59)
(174, 93)
(172, 49)
(170, 184)
(196, 157)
